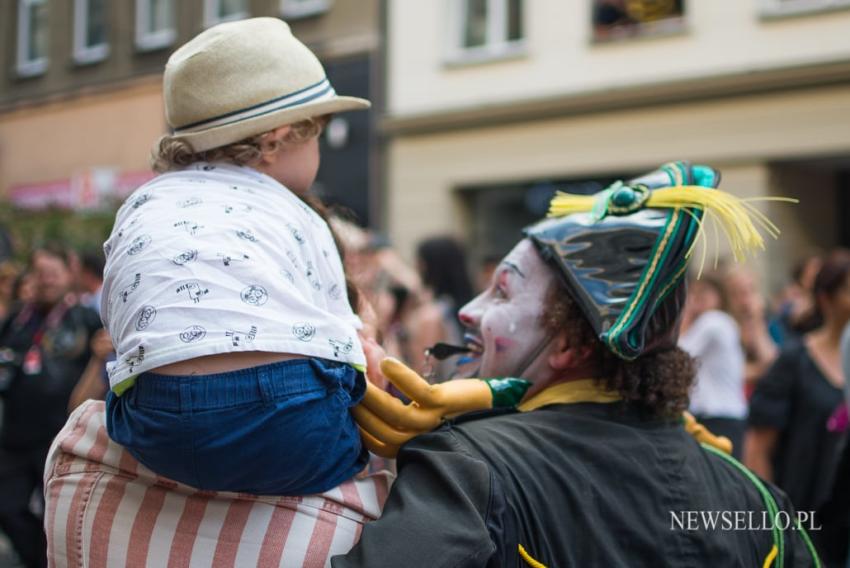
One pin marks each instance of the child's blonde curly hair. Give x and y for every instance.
(172, 153)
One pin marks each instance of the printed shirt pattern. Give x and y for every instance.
(103, 508)
(218, 258)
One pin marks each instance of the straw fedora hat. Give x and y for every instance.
(240, 79)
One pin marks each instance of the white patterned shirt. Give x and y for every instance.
(218, 258)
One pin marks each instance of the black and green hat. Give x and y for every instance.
(623, 252)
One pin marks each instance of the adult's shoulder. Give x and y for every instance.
(476, 435)
(791, 355)
(503, 436)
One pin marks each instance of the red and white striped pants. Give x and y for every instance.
(106, 509)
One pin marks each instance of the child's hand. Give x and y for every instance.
(374, 355)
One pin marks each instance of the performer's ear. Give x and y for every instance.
(565, 356)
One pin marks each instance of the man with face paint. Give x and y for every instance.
(595, 466)
(504, 332)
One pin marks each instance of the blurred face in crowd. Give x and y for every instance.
(809, 272)
(836, 307)
(702, 297)
(52, 276)
(505, 322)
(745, 300)
(8, 275)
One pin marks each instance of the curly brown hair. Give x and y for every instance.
(657, 383)
(172, 152)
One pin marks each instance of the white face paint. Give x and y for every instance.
(505, 325)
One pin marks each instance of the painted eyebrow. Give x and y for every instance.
(513, 268)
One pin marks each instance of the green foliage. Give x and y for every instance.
(79, 230)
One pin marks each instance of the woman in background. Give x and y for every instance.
(788, 441)
(441, 262)
(710, 336)
(747, 306)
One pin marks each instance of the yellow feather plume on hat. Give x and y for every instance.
(737, 218)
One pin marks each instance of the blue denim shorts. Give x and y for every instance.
(278, 429)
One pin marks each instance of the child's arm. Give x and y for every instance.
(372, 349)
(374, 355)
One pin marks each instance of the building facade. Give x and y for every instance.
(492, 105)
(81, 100)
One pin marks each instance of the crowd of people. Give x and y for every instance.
(48, 337)
(772, 374)
(251, 367)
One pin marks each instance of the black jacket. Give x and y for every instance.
(36, 405)
(574, 485)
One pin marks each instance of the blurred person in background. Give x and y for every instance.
(710, 335)
(835, 513)
(796, 313)
(388, 284)
(90, 278)
(48, 340)
(788, 440)
(94, 382)
(441, 263)
(9, 272)
(747, 305)
(24, 289)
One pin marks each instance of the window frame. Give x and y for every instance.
(496, 49)
(211, 13)
(291, 10)
(789, 8)
(87, 54)
(24, 66)
(147, 40)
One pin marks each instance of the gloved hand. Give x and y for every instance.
(704, 435)
(386, 422)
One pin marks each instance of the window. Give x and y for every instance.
(487, 29)
(32, 37)
(792, 7)
(293, 9)
(154, 23)
(217, 11)
(623, 19)
(90, 44)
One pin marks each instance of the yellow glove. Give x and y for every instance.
(704, 435)
(386, 422)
